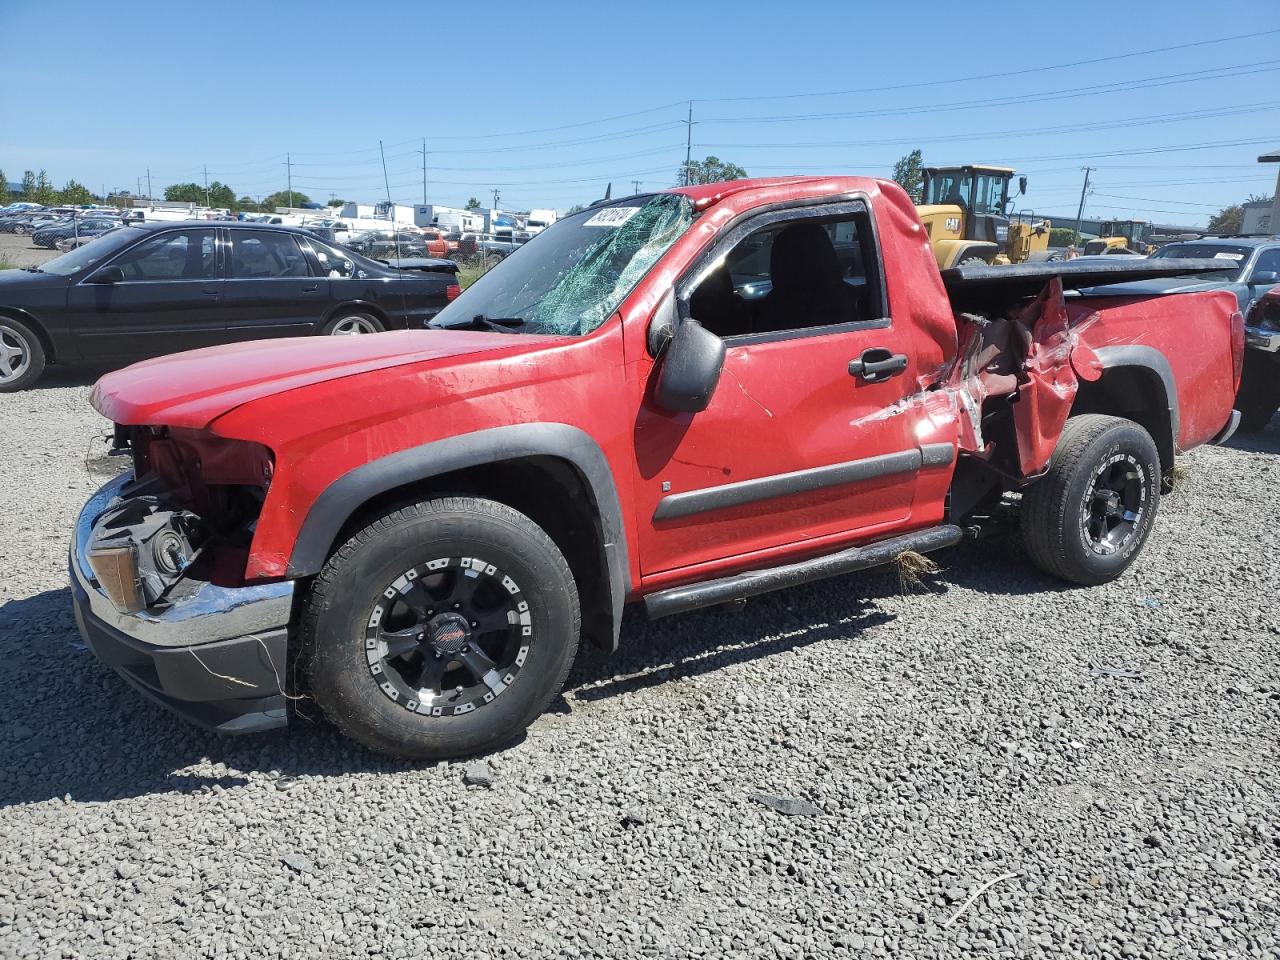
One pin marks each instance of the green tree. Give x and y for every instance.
(1231, 219)
(44, 190)
(4, 187)
(184, 193)
(473, 204)
(335, 202)
(576, 208)
(1227, 220)
(246, 203)
(1063, 237)
(75, 193)
(29, 186)
(709, 170)
(281, 198)
(908, 175)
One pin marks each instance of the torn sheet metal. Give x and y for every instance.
(1035, 356)
(1051, 369)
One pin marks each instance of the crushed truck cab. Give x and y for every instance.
(676, 399)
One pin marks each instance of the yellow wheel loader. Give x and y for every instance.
(1121, 236)
(965, 211)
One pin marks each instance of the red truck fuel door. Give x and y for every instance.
(810, 437)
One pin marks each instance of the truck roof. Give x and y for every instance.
(705, 195)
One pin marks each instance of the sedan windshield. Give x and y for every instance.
(570, 277)
(91, 253)
(1239, 255)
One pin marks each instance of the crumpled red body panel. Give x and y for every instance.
(1047, 386)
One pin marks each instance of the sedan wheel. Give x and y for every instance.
(21, 355)
(353, 324)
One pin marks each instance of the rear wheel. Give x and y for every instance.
(1086, 519)
(971, 260)
(441, 629)
(353, 323)
(22, 357)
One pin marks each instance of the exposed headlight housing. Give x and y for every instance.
(140, 549)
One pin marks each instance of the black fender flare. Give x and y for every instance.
(339, 501)
(1150, 359)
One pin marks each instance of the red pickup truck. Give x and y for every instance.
(679, 399)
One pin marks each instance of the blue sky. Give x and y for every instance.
(549, 102)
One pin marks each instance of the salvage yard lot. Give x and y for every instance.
(947, 738)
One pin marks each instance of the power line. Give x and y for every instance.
(996, 76)
(1124, 86)
(1142, 120)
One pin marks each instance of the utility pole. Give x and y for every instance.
(206, 185)
(496, 195)
(636, 184)
(139, 193)
(1080, 209)
(688, 143)
(424, 171)
(149, 194)
(288, 168)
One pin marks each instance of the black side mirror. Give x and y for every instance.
(1022, 185)
(108, 275)
(690, 368)
(1266, 276)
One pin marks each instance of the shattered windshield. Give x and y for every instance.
(570, 277)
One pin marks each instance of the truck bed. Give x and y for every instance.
(980, 286)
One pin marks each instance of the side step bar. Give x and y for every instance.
(753, 582)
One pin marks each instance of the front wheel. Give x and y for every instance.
(1086, 519)
(441, 629)
(22, 357)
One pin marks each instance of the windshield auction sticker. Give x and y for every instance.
(612, 217)
(1229, 256)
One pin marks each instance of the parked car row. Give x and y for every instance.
(144, 290)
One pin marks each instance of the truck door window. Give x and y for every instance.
(791, 276)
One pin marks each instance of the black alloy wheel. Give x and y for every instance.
(448, 636)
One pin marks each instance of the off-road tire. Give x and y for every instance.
(344, 596)
(1055, 508)
(967, 261)
(19, 332)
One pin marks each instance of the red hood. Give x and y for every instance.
(195, 388)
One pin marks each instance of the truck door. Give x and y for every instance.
(810, 440)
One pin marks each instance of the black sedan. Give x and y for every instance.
(78, 227)
(146, 290)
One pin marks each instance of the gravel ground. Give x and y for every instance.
(21, 252)
(934, 742)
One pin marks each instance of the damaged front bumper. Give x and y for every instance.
(214, 655)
